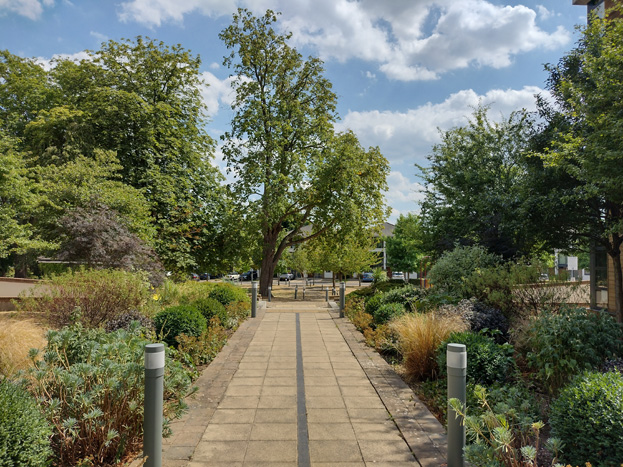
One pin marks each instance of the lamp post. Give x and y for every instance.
(152, 418)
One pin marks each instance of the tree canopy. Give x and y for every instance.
(405, 248)
(291, 169)
(139, 101)
(586, 141)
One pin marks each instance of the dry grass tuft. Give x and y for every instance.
(17, 337)
(419, 335)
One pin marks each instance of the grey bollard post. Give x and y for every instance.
(456, 355)
(333, 291)
(326, 294)
(270, 294)
(342, 298)
(152, 417)
(296, 291)
(253, 299)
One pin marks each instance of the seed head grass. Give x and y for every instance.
(419, 336)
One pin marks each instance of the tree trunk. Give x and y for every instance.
(268, 262)
(266, 276)
(615, 254)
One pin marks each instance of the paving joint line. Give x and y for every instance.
(302, 444)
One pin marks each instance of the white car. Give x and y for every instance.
(286, 277)
(398, 276)
(233, 276)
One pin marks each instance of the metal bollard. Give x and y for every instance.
(296, 291)
(303, 293)
(342, 298)
(270, 294)
(152, 418)
(333, 291)
(326, 294)
(253, 299)
(456, 356)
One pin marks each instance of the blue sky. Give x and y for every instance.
(402, 69)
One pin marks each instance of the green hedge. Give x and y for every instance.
(487, 362)
(177, 320)
(588, 418)
(24, 431)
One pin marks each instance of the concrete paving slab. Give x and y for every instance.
(297, 370)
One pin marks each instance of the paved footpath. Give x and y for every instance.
(297, 386)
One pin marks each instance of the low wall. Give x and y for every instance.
(11, 288)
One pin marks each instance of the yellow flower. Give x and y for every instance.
(156, 297)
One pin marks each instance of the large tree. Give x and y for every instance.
(291, 169)
(586, 128)
(19, 198)
(141, 99)
(483, 187)
(405, 249)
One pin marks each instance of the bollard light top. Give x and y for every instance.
(456, 356)
(456, 348)
(154, 356)
(254, 284)
(154, 348)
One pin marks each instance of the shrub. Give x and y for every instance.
(452, 270)
(383, 339)
(388, 311)
(91, 385)
(487, 362)
(211, 308)
(559, 346)
(485, 317)
(177, 320)
(419, 336)
(205, 347)
(479, 317)
(17, 337)
(379, 275)
(228, 293)
(500, 436)
(24, 431)
(355, 311)
(588, 417)
(373, 303)
(406, 295)
(125, 321)
(237, 312)
(90, 296)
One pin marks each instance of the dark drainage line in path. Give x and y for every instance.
(303, 437)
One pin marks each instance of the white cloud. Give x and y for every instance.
(408, 40)
(155, 12)
(403, 190)
(217, 92)
(419, 40)
(48, 63)
(403, 195)
(543, 12)
(98, 36)
(31, 9)
(408, 136)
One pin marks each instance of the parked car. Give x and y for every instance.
(398, 276)
(194, 276)
(204, 276)
(233, 276)
(367, 277)
(249, 276)
(286, 276)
